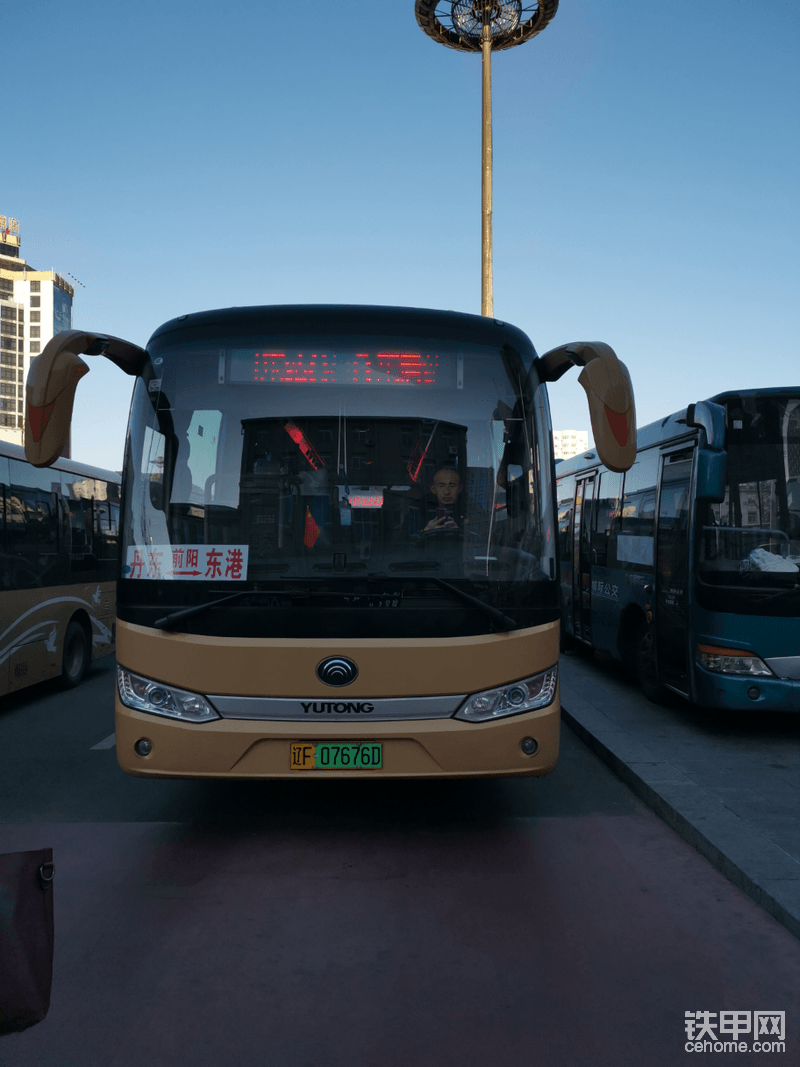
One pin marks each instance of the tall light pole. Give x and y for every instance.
(484, 26)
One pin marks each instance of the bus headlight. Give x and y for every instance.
(730, 661)
(143, 694)
(527, 695)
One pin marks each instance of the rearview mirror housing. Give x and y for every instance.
(712, 475)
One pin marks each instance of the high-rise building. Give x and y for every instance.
(34, 305)
(568, 443)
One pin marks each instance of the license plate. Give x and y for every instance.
(336, 756)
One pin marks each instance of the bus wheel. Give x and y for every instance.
(646, 671)
(76, 656)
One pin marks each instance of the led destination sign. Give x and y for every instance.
(333, 368)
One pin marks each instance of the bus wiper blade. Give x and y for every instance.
(197, 609)
(503, 621)
(497, 616)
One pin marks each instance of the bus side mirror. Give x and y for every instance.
(608, 388)
(52, 380)
(50, 395)
(712, 475)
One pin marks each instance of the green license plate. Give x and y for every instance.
(336, 756)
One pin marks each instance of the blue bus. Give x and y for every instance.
(686, 568)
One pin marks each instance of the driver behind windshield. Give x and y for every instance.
(446, 487)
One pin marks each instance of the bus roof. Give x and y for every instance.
(348, 318)
(12, 451)
(669, 428)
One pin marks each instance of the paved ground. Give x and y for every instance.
(552, 921)
(728, 784)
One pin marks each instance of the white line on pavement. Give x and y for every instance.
(108, 742)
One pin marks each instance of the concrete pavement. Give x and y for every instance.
(728, 784)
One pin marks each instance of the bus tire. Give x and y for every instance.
(76, 656)
(646, 670)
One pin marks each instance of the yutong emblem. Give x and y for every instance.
(337, 671)
(340, 707)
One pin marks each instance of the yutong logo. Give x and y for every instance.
(338, 707)
(337, 670)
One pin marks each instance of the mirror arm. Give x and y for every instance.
(553, 364)
(52, 380)
(608, 389)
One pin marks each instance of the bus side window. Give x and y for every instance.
(604, 551)
(34, 518)
(566, 504)
(44, 509)
(16, 574)
(635, 540)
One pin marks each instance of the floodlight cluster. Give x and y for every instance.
(460, 24)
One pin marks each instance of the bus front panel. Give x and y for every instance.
(338, 483)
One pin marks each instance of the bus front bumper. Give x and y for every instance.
(736, 692)
(433, 748)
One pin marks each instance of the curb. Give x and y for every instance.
(692, 805)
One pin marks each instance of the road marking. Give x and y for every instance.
(109, 742)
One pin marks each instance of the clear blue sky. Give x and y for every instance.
(177, 156)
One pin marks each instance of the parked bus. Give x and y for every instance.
(687, 568)
(338, 550)
(59, 552)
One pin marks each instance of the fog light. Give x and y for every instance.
(529, 746)
(143, 747)
(754, 692)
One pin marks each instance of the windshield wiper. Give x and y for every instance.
(778, 595)
(197, 609)
(497, 616)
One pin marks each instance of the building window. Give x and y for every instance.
(36, 316)
(7, 374)
(36, 331)
(36, 301)
(35, 346)
(36, 287)
(8, 389)
(7, 343)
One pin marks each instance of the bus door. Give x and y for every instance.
(673, 571)
(581, 557)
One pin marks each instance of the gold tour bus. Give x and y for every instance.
(338, 550)
(59, 560)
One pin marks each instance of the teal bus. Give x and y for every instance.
(687, 567)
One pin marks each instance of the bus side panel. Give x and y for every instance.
(34, 624)
(30, 643)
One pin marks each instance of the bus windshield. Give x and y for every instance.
(750, 543)
(346, 485)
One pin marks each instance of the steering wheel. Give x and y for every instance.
(445, 533)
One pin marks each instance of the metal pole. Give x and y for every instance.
(487, 298)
